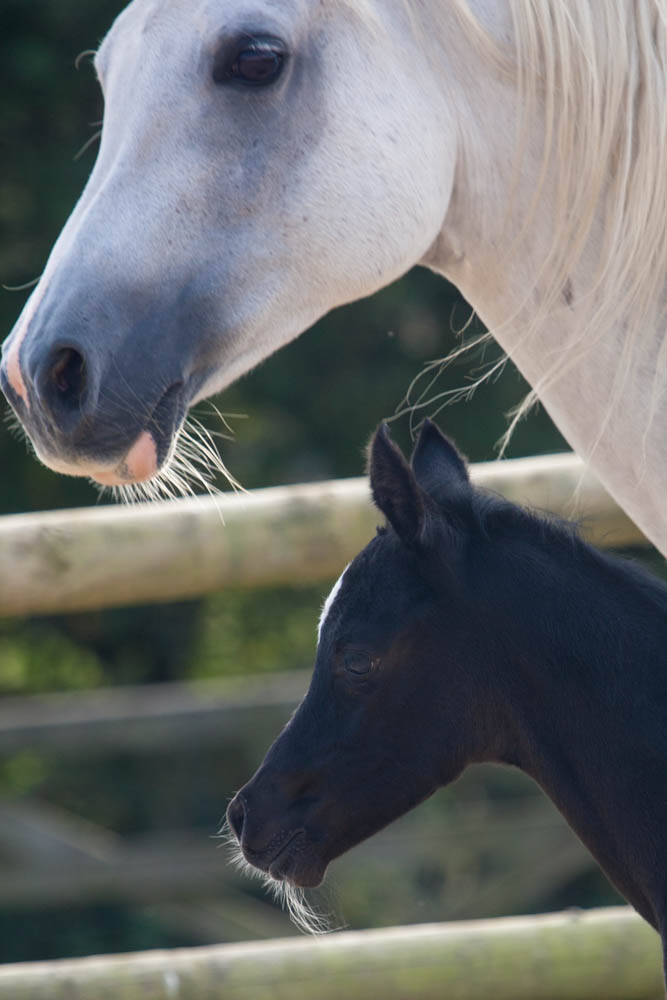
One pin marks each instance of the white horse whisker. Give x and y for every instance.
(192, 466)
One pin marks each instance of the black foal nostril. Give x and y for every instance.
(67, 375)
(236, 816)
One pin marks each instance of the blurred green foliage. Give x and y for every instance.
(309, 412)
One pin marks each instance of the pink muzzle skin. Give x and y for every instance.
(12, 358)
(13, 369)
(139, 464)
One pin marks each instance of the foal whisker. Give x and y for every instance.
(291, 898)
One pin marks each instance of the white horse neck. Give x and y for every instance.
(572, 286)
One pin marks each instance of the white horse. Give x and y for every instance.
(263, 162)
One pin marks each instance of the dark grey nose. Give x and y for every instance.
(88, 375)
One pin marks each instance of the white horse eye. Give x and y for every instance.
(256, 63)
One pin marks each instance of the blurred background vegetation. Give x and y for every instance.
(489, 845)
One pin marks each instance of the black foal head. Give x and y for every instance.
(399, 699)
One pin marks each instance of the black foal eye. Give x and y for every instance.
(358, 663)
(255, 62)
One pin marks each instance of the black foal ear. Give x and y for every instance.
(439, 468)
(394, 487)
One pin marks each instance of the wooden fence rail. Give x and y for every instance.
(79, 560)
(150, 718)
(569, 956)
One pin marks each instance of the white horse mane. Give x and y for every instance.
(597, 72)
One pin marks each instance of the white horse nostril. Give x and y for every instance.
(68, 374)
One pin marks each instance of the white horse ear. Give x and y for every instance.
(439, 468)
(394, 487)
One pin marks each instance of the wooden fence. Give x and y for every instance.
(608, 954)
(85, 559)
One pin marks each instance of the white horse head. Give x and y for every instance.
(263, 162)
(260, 164)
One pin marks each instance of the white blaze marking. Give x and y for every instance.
(326, 608)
